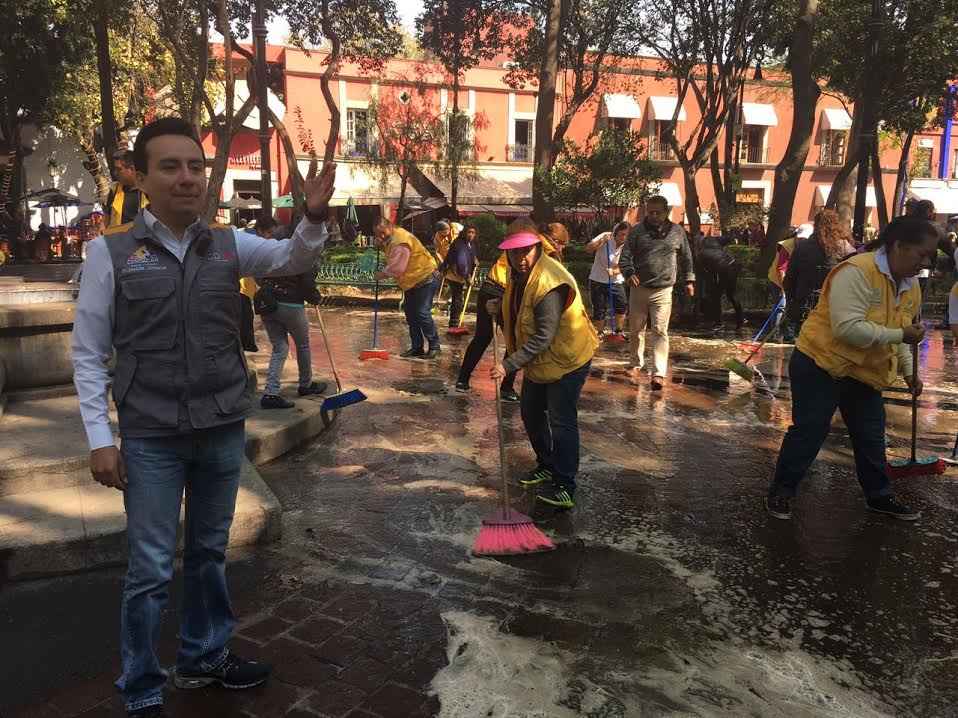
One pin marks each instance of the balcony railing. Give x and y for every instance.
(356, 148)
(753, 154)
(832, 155)
(660, 151)
(520, 153)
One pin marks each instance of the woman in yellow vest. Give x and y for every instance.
(415, 271)
(852, 346)
(492, 288)
(550, 337)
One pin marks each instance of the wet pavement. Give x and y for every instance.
(671, 591)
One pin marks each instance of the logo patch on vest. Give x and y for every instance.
(217, 256)
(141, 260)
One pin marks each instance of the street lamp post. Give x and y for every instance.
(262, 92)
(869, 127)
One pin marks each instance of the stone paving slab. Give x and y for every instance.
(83, 526)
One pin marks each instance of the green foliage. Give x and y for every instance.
(608, 174)
(491, 233)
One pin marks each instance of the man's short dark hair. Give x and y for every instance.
(659, 200)
(265, 223)
(158, 128)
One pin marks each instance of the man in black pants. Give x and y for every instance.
(721, 272)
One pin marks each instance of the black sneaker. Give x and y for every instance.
(537, 476)
(317, 387)
(889, 506)
(556, 496)
(148, 712)
(657, 383)
(413, 354)
(235, 673)
(432, 353)
(462, 386)
(778, 506)
(274, 401)
(509, 395)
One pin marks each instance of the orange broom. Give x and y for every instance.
(927, 465)
(460, 330)
(375, 352)
(507, 532)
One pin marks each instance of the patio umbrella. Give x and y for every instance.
(238, 202)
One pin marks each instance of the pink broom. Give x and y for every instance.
(507, 532)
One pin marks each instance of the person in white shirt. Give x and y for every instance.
(163, 293)
(607, 248)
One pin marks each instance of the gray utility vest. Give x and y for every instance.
(180, 364)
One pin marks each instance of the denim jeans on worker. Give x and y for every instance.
(815, 397)
(550, 413)
(288, 319)
(206, 465)
(417, 304)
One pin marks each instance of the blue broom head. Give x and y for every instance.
(340, 401)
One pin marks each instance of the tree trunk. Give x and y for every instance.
(901, 180)
(332, 67)
(880, 201)
(545, 113)
(202, 70)
(805, 94)
(400, 209)
(225, 131)
(842, 195)
(295, 176)
(457, 145)
(92, 164)
(692, 210)
(105, 68)
(719, 187)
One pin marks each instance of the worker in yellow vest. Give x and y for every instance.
(550, 337)
(852, 346)
(415, 271)
(492, 288)
(125, 199)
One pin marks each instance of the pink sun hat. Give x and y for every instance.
(520, 240)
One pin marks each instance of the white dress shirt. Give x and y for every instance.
(92, 341)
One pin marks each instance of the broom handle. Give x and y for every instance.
(499, 433)
(914, 402)
(472, 280)
(329, 353)
(608, 262)
(376, 307)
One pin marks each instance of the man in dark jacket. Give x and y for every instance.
(718, 271)
(655, 257)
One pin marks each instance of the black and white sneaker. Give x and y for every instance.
(274, 401)
(778, 506)
(462, 387)
(317, 387)
(510, 396)
(235, 673)
(413, 354)
(432, 353)
(889, 506)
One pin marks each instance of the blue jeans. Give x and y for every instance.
(815, 397)
(206, 464)
(550, 413)
(417, 304)
(288, 319)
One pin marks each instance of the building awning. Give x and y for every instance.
(943, 194)
(486, 185)
(511, 210)
(621, 106)
(823, 190)
(663, 108)
(240, 95)
(671, 192)
(754, 113)
(836, 118)
(364, 186)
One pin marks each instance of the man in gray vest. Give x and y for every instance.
(163, 292)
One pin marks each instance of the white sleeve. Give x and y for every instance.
(259, 257)
(92, 343)
(849, 301)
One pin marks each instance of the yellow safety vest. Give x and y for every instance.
(576, 340)
(116, 209)
(876, 366)
(774, 275)
(421, 263)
